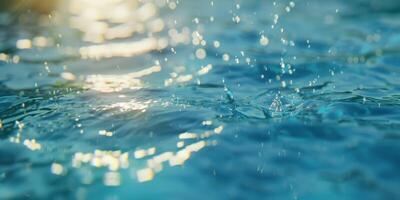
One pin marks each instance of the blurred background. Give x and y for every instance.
(186, 99)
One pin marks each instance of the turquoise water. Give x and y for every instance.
(201, 100)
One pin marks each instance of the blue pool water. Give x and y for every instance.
(201, 100)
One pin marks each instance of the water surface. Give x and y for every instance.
(201, 100)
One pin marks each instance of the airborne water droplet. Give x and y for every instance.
(264, 41)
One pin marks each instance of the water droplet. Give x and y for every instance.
(264, 41)
(200, 54)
